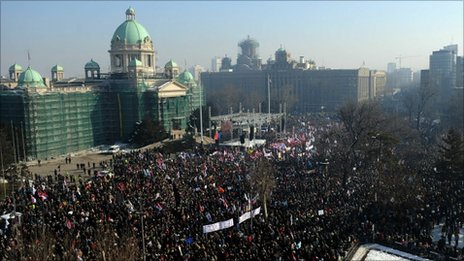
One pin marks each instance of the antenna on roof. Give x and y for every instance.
(28, 58)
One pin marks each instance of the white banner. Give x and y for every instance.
(230, 223)
(244, 217)
(226, 224)
(211, 228)
(218, 226)
(248, 215)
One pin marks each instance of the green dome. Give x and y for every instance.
(30, 78)
(135, 63)
(92, 65)
(170, 64)
(130, 32)
(57, 68)
(185, 77)
(16, 67)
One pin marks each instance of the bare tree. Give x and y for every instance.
(112, 246)
(263, 180)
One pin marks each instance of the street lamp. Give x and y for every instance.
(3, 171)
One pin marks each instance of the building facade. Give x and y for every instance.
(64, 116)
(284, 82)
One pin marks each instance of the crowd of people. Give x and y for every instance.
(157, 204)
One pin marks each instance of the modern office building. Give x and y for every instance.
(66, 115)
(443, 72)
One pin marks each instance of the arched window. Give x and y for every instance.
(117, 60)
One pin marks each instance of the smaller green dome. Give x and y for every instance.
(92, 65)
(57, 68)
(16, 67)
(170, 64)
(135, 63)
(31, 78)
(185, 77)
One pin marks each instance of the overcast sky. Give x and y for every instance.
(335, 34)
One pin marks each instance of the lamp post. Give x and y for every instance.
(3, 171)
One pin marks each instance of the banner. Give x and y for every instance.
(230, 223)
(211, 228)
(249, 214)
(218, 226)
(244, 217)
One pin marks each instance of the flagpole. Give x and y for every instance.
(269, 97)
(201, 114)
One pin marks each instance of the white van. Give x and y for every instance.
(114, 149)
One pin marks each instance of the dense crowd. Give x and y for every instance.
(314, 214)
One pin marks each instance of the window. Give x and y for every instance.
(117, 60)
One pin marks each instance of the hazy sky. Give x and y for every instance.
(335, 34)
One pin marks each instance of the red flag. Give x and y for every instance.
(68, 224)
(121, 186)
(224, 202)
(43, 195)
(220, 189)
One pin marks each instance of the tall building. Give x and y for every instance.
(196, 70)
(64, 116)
(443, 65)
(403, 77)
(216, 64)
(391, 68)
(377, 82)
(459, 71)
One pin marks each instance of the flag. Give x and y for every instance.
(208, 217)
(158, 206)
(121, 186)
(68, 224)
(224, 202)
(189, 240)
(42, 195)
(220, 189)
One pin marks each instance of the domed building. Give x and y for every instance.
(103, 108)
(131, 41)
(171, 69)
(57, 73)
(15, 70)
(186, 78)
(31, 79)
(92, 70)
